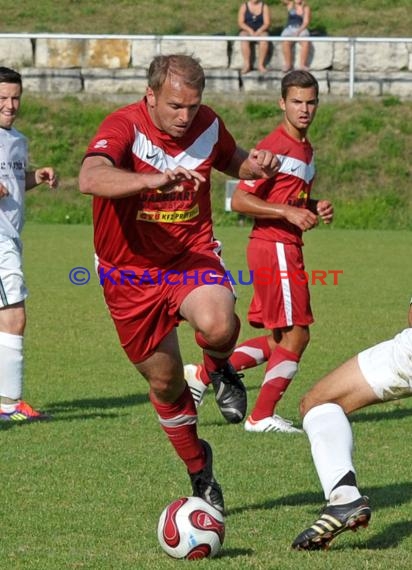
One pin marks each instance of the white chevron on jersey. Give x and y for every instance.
(190, 158)
(296, 167)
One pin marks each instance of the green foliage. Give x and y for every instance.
(58, 207)
(256, 111)
(85, 490)
(386, 211)
(345, 18)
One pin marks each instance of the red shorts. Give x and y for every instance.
(144, 304)
(281, 293)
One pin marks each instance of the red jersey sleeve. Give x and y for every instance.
(113, 140)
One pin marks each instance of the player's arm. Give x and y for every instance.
(99, 177)
(251, 205)
(44, 175)
(253, 165)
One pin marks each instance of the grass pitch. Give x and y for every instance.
(86, 489)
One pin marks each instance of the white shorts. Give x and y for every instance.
(12, 287)
(387, 367)
(291, 31)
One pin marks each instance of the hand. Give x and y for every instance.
(325, 211)
(3, 191)
(301, 217)
(170, 179)
(264, 164)
(46, 175)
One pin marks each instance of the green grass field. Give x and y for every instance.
(86, 489)
(344, 18)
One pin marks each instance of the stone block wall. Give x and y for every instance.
(114, 65)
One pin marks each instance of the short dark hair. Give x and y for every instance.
(185, 66)
(298, 78)
(8, 75)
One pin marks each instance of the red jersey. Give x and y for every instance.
(154, 228)
(291, 185)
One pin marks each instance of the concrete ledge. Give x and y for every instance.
(111, 65)
(109, 82)
(114, 81)
(56, 53)
(372, 84)
(16, 54)
(52, 80)
(255, 82)
(222, 81)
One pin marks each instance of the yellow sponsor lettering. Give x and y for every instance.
(167, 217)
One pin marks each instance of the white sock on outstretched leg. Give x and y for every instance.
(330, 436)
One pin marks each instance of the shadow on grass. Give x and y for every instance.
(393, 414)
(85, 409)
(234, 553)
(102, 403)
(381, 497)
(391, 537)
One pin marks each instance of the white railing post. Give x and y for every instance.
(352, 48)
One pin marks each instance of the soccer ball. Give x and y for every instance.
(191, 528)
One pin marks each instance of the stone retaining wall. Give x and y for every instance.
(119, 66)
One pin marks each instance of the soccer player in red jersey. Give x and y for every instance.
(148, 169)
(282, 209)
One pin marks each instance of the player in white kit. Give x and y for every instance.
(15, 180)
(377, 374)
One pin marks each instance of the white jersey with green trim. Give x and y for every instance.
(13, 164)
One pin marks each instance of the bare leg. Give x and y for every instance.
(287, 56)
(263, 53)
(164, 370)
(304, 54)
(345, 386)
(246, 54)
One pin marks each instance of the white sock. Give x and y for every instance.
(344, 494)
(11, 365)
(330, 436)
(8, 408)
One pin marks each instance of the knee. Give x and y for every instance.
(166, 389)
(304, 406)
(218, 332)
(13, 322)
(314, 397)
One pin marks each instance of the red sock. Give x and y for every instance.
(251, 353)
(280, 370)
(215, 358)
(178, 420)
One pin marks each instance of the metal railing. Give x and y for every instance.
(158, 39)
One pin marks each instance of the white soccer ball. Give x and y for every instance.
(191, 528)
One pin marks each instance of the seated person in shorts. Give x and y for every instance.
(299, 15)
